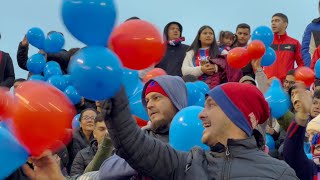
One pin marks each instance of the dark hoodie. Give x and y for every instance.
(173, 59)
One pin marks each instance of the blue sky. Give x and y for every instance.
(17, 16)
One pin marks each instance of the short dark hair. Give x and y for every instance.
(291, 72)
(99, 118)
(88, 109)
(132, 18)
(282, 16)
(316, 94)
(189, 78)
(243, 26)
(19, 80)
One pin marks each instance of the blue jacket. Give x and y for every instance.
(310, 41)
(294, 155)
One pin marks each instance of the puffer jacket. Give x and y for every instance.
(83, 158)
(240, 159)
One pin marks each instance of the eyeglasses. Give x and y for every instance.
(289, 82)
(88, 117)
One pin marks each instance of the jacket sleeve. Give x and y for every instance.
(306, 45)
(141, 151)
(9, 75)
(103, 153)
(62, 57)
(298, 56)
(288, 174)
(261, 79)
(22, 56)
(315, 57)
(188, 67)
(293, 152)
(78, 165)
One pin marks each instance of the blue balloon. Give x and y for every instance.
(201, 100)
(36, 63)
(12, 154)
(264, 34)
(270, 142)
(36, 78)
(269, 57)
(203, 87)
(36, 37)
(76, 122)
(72, 94)
(194, 94)
(186, 123)
(91, 22)
(317, 69)
(309, 156)
(54, 42)
(48, 72)
(52, 64)
(137, 107)
(57, 81)
(278, 99)
(67, 79)
(130, 80)
(96, 73)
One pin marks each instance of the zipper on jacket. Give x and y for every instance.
(227, 164)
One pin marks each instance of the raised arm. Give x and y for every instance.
(145, 154)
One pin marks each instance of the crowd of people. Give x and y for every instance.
(236, 117)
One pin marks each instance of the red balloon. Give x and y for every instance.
(6, 104)
(154, 73)
(42, 115)
(256, 49)
(238, 57)
(305, 75)
(140, 122)
(138, 44)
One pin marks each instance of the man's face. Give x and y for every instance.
(243, 35)
(100, 130)
(278, 25)
(288, 82)
(215, 123)
(315, 107)
(160, 110)
(87, 120)
(174, 32)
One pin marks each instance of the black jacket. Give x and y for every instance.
(62, 57)
(83, 158)
(6, 70)
(78, 143)
(173, 59)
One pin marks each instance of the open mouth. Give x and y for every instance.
(206, 124)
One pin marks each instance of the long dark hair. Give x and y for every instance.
(196, 45)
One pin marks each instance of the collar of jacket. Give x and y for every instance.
(94, 145)
(235, 147)
(281, 37)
